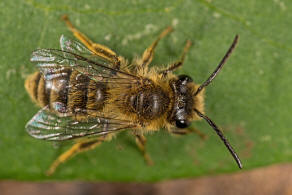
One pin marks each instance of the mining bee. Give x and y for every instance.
(89, 93)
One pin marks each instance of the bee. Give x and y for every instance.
(89, 93)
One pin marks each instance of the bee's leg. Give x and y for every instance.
(188, 131)
(95, 48)
(141, 142)
(75, 149)
(178, 63)
(149, 52)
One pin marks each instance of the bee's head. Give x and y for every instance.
(188, 102)
(184, 101)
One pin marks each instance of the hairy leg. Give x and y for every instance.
(188, 131)
(97, 49)
(79, 147)
(149, 52)
(141, 142)
(178, 63)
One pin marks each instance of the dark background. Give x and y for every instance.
(273, 180)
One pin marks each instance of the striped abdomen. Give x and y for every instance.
(68, 91)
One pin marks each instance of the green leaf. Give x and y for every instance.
(250, 99)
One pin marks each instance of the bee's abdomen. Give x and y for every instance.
(66, 92)
(77, 93)
(35, 86)
(57, 89)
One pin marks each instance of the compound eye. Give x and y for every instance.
(184, 79)
(182, 124)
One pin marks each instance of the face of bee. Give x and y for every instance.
(182, 110)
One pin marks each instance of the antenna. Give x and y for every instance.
(220, 134)
(219, 67)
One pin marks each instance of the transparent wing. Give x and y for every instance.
(74, 55)
(70, 45)
(49, 126)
